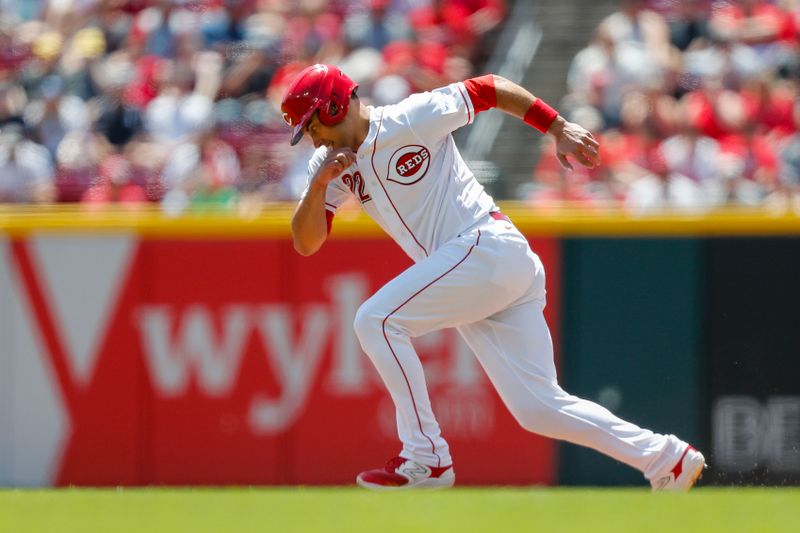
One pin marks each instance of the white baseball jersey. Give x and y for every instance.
(409, 176)
(473, 272)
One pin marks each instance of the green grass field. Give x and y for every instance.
(491, 510)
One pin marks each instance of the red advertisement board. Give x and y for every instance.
(234, 362)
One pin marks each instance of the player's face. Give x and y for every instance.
(322, 135)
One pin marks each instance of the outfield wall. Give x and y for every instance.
(137, 349)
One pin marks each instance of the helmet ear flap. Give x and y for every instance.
(331, 113)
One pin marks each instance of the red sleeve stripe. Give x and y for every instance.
(466, 103)
(329, 220)
(481, 92)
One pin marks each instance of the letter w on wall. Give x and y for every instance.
(195, 349)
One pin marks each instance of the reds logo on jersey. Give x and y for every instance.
(409, 164)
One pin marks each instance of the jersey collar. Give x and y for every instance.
(374, 121)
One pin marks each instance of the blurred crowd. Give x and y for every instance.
(177, 102)
(696, 102)
(696, 106)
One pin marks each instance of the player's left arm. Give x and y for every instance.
(572, 140)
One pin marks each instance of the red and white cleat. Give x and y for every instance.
(400, 473)
(685, 474)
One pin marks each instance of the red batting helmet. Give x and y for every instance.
(322, 88)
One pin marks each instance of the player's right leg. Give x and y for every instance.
(463, 281)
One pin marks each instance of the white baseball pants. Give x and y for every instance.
(489, 285)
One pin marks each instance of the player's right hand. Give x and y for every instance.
(334, 164)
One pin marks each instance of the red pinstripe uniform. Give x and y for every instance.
(473, 271)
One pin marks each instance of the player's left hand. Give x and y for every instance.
(575, 141)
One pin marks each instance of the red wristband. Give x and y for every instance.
(540, 115)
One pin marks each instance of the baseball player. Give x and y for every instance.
(473, 270)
